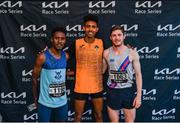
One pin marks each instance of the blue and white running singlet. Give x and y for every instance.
(52, 81)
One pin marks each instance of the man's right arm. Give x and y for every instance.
(36, 72)
(72, 50)
(71, 62)
(105, 63)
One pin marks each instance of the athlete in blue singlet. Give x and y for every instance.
(51, 67)
(122, 64)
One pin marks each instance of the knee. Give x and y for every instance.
(129, 119)
(78, 116)
(98, 116)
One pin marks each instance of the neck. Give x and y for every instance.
(119, 49)
(55, 52)
(89, 40)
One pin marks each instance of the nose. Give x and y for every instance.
(116, 37)
(61, 39)
(91, 28)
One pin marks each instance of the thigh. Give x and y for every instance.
(114, 99)
(97, 104)
(61, 113)
(113, 114)
(129, 114)
(44, 113)
(97, 100)
(79, 106)
(79, 102)
(128, 98)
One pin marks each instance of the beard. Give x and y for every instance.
(117, 45)
(90, 35)
(58, 48)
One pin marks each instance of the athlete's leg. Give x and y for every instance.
(61, 113)
(128, 108)
(129, 114)
(98, 106)
(79, 108)
(44, 113)
(79, 103)
(113, 114)
(114, 102)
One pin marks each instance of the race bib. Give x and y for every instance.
(57, 90)
(119, 76)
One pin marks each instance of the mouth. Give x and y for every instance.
(60, 45)
(117, 41)
(90, 33)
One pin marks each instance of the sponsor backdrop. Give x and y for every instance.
(153, 27)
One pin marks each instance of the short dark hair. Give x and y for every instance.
(58, 29)
(90, 17)
(117, 27)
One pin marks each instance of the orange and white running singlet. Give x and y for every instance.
(89, 66)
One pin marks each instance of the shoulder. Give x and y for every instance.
(99, 40)
(67, 55)
(106, 52)
(79, 39)
(134, 54)
(40, 58)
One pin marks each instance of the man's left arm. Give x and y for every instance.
(138, 75)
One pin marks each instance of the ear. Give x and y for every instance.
(124, 36)
(51, 40)
(97, 29)
(83, 28)
(110, 38)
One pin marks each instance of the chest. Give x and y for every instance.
(89, 50)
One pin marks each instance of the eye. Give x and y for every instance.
(60, 38)
(113, 35)
(93, 27)
(87, 26)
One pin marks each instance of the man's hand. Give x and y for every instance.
(36, 103)
(137, 101)
(131, 46)
(70, 72)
